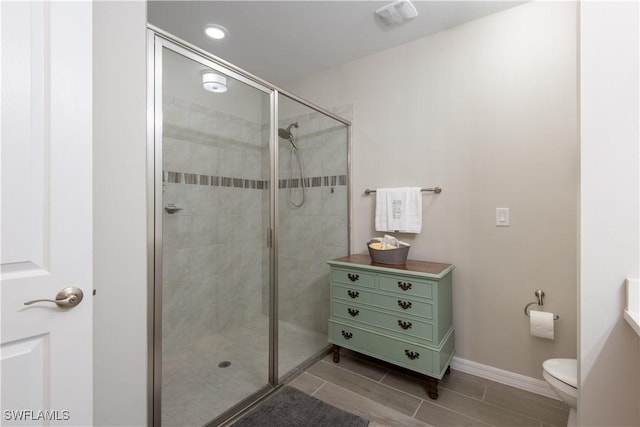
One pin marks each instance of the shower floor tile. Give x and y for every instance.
(196, 390)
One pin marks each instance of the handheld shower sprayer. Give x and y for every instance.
(295, 154)
(286, 133)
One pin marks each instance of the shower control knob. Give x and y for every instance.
(68, 297)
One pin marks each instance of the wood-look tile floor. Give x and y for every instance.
(389, 396)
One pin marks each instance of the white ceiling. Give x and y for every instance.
(281, 41)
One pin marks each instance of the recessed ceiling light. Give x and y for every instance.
(216, 32)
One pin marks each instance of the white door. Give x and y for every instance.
(46, 210)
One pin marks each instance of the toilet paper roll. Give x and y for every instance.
(541, 324)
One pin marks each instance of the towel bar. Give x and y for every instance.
(436, 190)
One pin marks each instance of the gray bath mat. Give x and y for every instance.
(289, 407)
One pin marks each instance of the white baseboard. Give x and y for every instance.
(504, 377)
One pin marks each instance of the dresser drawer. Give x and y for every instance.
(422, 331)
(386, 348)
(406, 286)
(389, 302)
(353, 277)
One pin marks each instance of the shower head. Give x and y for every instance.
(286, 133)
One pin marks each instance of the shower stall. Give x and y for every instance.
(249, 197)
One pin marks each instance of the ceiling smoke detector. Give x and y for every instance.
(213, 82)
(397, 12)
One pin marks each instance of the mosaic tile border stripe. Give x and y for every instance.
(256, 184)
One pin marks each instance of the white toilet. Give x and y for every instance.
(562, 376)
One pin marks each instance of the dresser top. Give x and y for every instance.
(423, 268)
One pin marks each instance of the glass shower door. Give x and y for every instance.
(313, 223)
(215, 259)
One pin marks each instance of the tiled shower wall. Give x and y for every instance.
(317, 231)
(215, 263)
(213, 247)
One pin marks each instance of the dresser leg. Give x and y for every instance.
(448, 371)
(336, 353)
(432, 388)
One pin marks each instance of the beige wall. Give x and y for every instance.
(610, 211)
(488, 111)
(120, 229)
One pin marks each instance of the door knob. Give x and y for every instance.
(68, 297)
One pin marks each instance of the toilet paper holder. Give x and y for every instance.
(540, 302)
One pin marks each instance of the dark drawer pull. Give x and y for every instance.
(353, 312)
(347, 335)
(404, 325)
(413, 355)
(353, 277)
(353, 294)
(404, 304)
(404, 285)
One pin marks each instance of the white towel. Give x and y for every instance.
(399, 209)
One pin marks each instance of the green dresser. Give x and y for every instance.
(400, 314)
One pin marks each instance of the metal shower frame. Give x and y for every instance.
(157, 40)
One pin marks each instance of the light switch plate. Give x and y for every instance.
(502, 217)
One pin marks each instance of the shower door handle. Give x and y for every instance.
(171, 208)
(66, 298)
